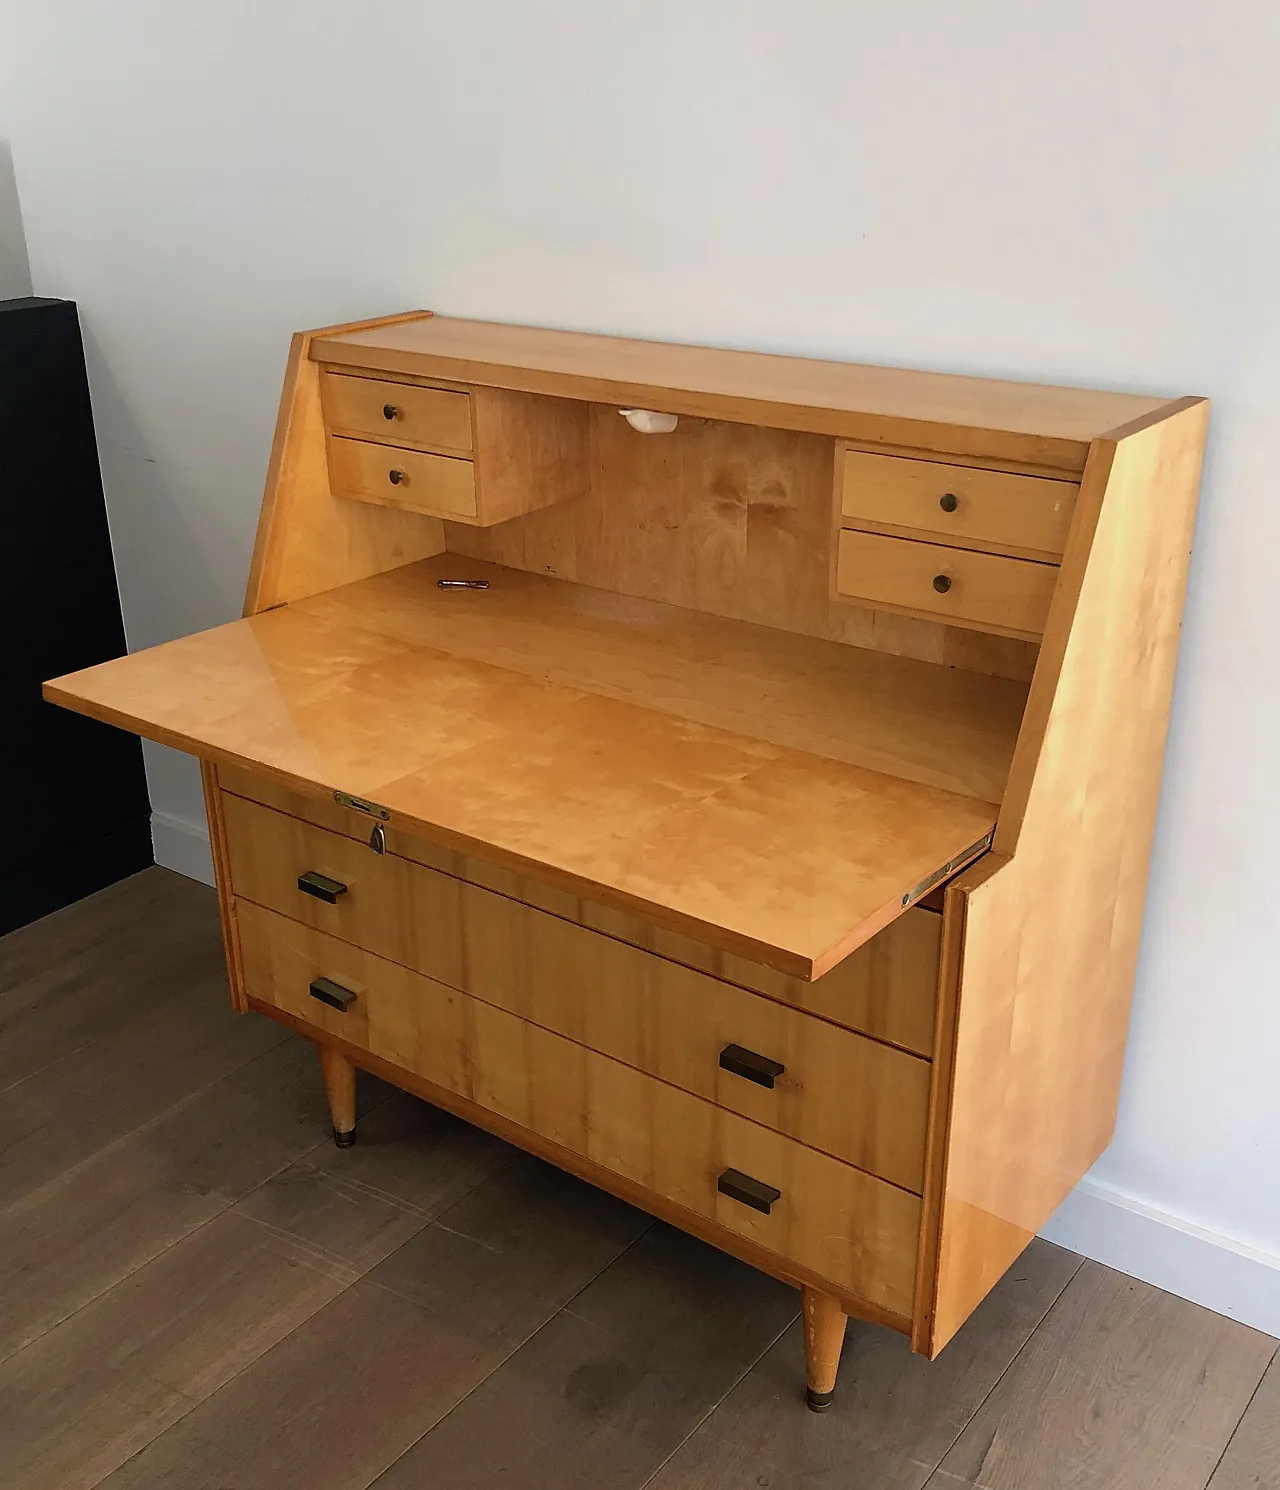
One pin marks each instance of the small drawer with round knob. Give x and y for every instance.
(406, 414)
(440, 485)
(1000, 511)
(964, 587)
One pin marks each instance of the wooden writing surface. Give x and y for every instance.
(708, 775)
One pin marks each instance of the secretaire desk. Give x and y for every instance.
(767, 843)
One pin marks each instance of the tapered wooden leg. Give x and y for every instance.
(340, 1088)
(824, 1323)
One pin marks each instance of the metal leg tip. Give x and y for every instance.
(344, 1140)
(818, 1401)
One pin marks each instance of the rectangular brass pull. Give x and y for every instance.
(746, 1063)
(333, 994)
(321, 886)
(755, 1193)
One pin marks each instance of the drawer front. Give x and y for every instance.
(854, 1098)
(395, 413)
(441, 485)
(886, 989)
(849, 1227)
(950, 584)
(958, 502)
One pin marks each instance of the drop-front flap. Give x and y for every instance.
(775, 795)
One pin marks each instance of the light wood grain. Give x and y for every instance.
(772, 853)
(222, 882)
(885, 988)
(831, 1218)
(1049, 427)
(854, 1098)
(439, 485)
(339, 1077)
(308, 540)
(421, 418)
(725, 519)
(1122, 1385)
(531, 452)
(1051, 939)
(987, 591)
(824, 1325)
(988, 509)
(1252, 1459)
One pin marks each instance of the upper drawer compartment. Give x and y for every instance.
(960, 504)
(957, 585)
(396, 413)
(440, 485)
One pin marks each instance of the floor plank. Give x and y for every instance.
(1252, 1459)
(1122, 1385)
(163, 936)
(341, 1398)
(101, 1385)
(606, 1391)
(68, 1241)
(895, 1414)
(91, 1098)
(355, 1206)
(100, 919)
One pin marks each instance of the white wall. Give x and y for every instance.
(1084, 193)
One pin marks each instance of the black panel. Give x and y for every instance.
(75, 797)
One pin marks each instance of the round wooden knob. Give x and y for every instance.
(942, 583)
(390, 411)
(396, 477)
(949, 502)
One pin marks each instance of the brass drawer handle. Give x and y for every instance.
(755, 1193)
(390, 411)
(746, 1063)
(321, 886)
(397, 477)
(942, 583)
(333, 994)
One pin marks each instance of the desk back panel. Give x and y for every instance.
(734, 520)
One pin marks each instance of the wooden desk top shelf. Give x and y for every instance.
(762, 834)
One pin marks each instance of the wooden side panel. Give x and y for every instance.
(222, 879)
(308, 539)
(723, 518)
(531, 452)
(1051, 936)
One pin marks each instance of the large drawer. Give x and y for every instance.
(396, 413)
(887, 988)
(950, 504)
(957, 585)
(855, 1098)
(440, 485)
(851, 1228)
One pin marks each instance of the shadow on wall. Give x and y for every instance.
(15, 271)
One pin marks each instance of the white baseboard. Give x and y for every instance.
(1106, 1224)
(182, 846)
(1221, 1272)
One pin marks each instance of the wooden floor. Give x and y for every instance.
(199, 1292)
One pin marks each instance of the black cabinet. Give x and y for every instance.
(76, 815)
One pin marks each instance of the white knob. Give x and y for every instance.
(647, 422)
